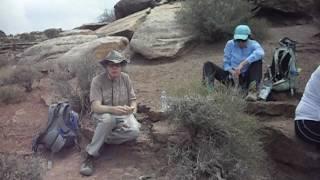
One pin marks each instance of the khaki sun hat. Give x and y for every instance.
(115, 57)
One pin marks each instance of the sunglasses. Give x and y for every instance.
(241, 40)
(114, 65)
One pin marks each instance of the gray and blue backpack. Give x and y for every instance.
(283, 71)
(62, 129)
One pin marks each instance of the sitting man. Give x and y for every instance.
(113, 102)
(307, 120)
(242, 60)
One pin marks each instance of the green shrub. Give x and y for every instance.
(11, 95)
(19, 168)
(225, 143)
(213, 20)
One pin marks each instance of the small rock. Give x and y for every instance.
(272, 108)
(163, 132)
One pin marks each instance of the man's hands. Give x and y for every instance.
(122, 110)
(237, 71)
(97, 107)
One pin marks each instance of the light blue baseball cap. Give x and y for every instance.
(241, 32)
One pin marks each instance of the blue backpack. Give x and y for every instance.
(62, 129)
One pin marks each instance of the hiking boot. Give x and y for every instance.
(252, 92)
(86, 168)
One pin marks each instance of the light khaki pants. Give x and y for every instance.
(112, 129)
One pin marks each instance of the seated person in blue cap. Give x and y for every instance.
(113, 102)
(242, 60)
(307, 120)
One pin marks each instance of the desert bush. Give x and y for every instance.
(78, 95)
(214, 20)
(63, 87)
(107, 16)
(260, 28)
(85, 69)
(20, 168)
(23, 75)
(225, 143)
(11, 95)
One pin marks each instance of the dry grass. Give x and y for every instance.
(14, 167)
(225, 143)
(11, 95)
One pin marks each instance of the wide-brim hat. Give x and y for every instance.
(114, 57)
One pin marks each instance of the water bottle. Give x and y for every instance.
(49, 164)
(163, 101)
(265, 90)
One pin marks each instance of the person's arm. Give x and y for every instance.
(240, 66)
(97, 107)
(133, 105)
(256, 55)
(132, 96)
(227, 57)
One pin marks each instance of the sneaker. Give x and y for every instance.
(86, 168)
(252, 96)
(252, 92)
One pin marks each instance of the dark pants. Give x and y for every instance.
(211, 71)
(308, 131)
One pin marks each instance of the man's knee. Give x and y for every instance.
(208, 65)
(208, 68)
(134, 134)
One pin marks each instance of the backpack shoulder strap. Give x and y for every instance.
(276, 61)
(52, 112)
(63, 116)
(292, 64)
